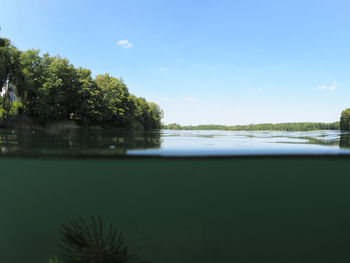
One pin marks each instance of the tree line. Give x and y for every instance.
(297, 126)
(44, 88)
(343, 124)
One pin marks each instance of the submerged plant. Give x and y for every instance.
(89, 241)
(55, 260)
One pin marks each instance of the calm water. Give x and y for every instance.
(116, 142)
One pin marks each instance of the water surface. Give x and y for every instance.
(117, 142)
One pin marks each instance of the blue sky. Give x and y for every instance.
(221, 62)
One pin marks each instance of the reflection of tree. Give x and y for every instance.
(332, 142)
(344, 141)
(78, 141)
(8, 141)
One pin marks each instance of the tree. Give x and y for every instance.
(345, 120)
(90, 108)
(148, 115)
(9, 72)
(52, 89)
(62, 89)
(115, 100)
(34, 71)
(156, 115)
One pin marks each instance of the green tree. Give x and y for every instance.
(52, 89)
(115, 100)
(90, 107)
(34, 71)
(156, 115)
(9, 72)
(345, 120)
(62, 89)
(147, 115)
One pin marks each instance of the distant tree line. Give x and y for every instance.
(46, 88)
(297, 126)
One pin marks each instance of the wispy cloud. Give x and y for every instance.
(190, 99)
(259, 90)
(328, 88)
(124, 43)
(162, 69)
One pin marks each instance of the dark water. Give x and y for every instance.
(116, 142)
(275, 208)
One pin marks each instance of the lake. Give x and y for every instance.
(291, 205)
(116, 142)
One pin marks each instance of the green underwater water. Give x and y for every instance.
(237, 209)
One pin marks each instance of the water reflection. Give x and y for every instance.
(118, 142)
(344, 141)
(76, 141)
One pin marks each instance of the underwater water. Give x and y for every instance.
(239, 208)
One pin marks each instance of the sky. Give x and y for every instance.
(204, 62)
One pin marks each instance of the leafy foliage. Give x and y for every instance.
(9, 72)
(115, 98)
(345, 120)
(90, 241)
(146, 114)
(52, 89)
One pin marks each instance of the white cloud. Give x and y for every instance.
(190, 99)
(124, 43)
(162, 69)
(259, 90)
(329, 88)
